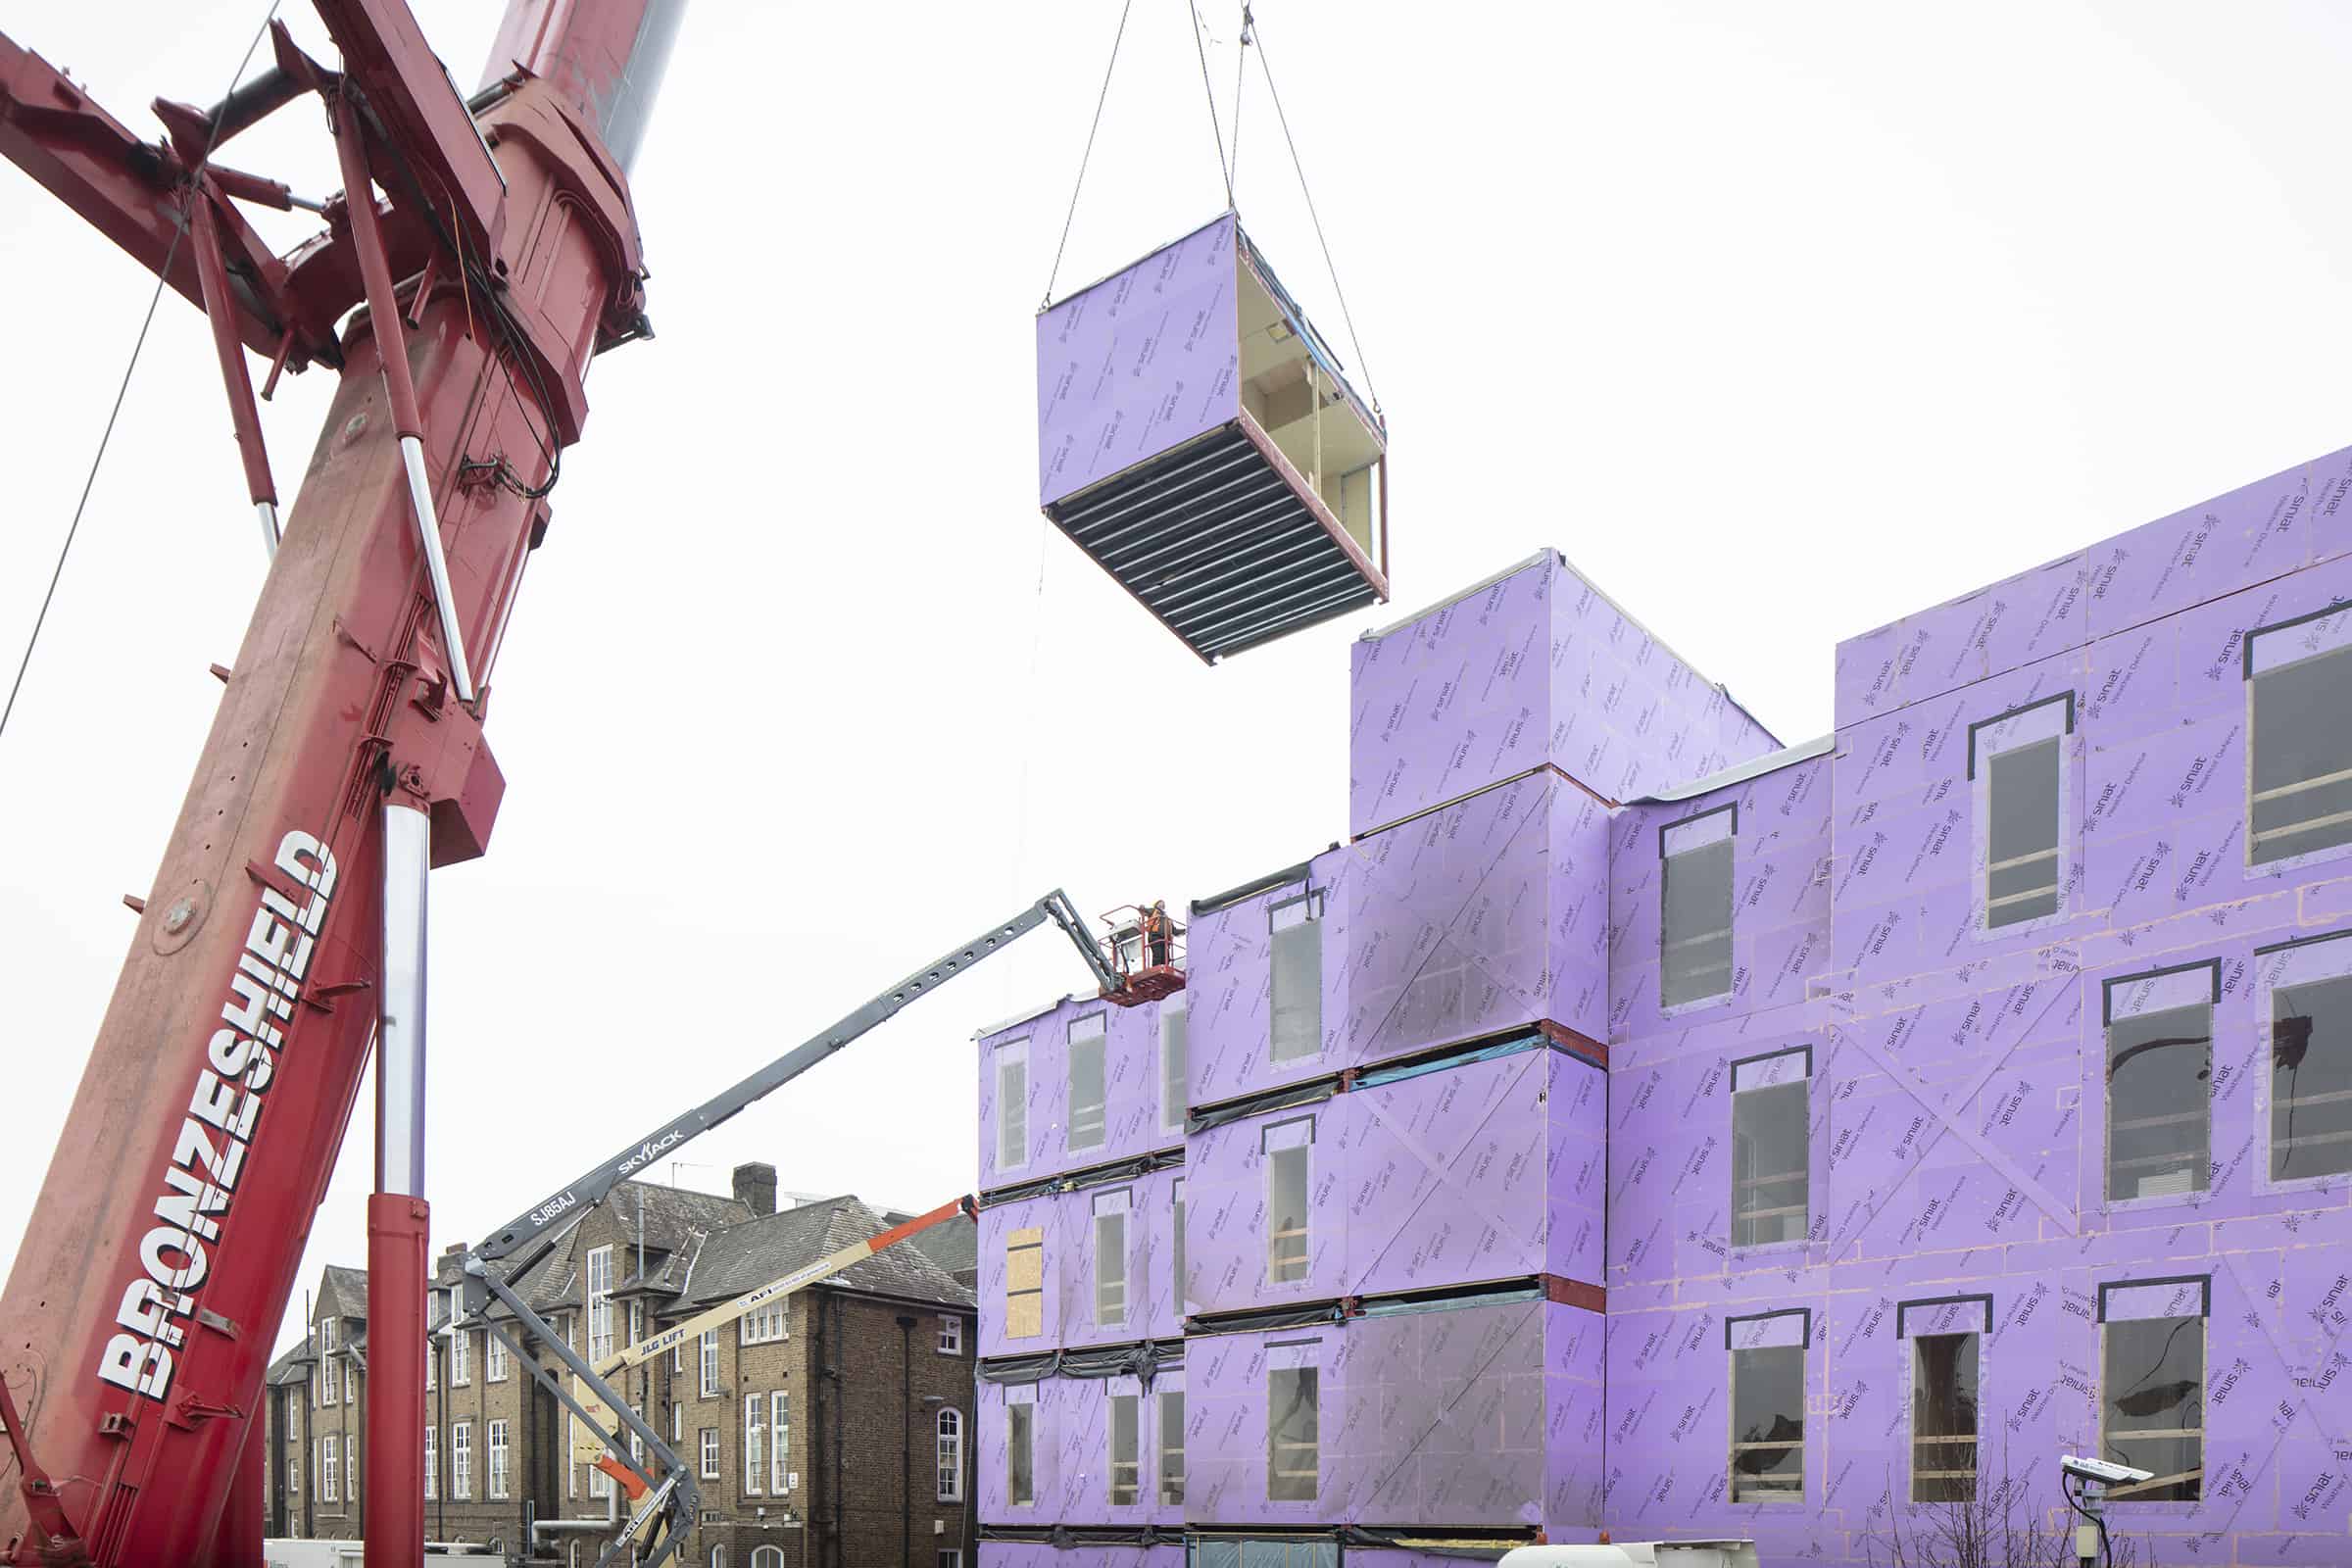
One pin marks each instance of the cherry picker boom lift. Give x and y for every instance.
(518, 1244)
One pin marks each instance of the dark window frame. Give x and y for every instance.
(1727, 934)
(1731, 1081)
(1317, 901)
(2272, 1180)
(2200, 1168)
(2057, 851)
(2279, 863)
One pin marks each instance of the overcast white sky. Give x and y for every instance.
(1780, 321)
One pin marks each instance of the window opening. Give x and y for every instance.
(1694, 908)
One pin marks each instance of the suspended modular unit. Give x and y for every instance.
(1201, 442)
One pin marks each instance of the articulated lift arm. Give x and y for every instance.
(591, 1395)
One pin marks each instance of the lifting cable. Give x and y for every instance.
(1201, 48)
(1100, 98)
(1241, 59)
(163, 274)
(1345, 318)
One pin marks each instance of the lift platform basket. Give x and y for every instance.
(1201, 442)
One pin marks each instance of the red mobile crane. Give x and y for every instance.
(283, 936)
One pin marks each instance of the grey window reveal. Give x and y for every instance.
(1126, 1465)
(1293, 1443)
(2021, 882)
(1172, 1447)
(2152, 1407)
(1110, 1257)
(1297, 979)
(1943, 1418)
(2159, 1068)
(2301, 778)
(1695, 909)
(1176, 1248)
(2310, 1079)
(1768, 1424)
(1089, 1121)
(1020, 1454)
(1289, 1149)
(1174, 1084)
(1771, 1153)
(1012, 1104)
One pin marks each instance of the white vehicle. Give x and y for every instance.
(1639, 1554)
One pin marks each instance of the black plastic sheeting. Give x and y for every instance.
(1142, 1362)
(1062, 1537)
(1310, 1093)
(1094, 1176)
(1446, 1299)
(1254, 887)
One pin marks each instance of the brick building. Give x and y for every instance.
(829, 1431)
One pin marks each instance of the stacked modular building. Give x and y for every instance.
(1634, 1126)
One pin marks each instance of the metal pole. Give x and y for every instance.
(392, 353)
(211, 276)
(400, 1006)
(398, 1218)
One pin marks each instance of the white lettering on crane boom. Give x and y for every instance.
(209, 1152)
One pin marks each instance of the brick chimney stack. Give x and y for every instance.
(755, 1186)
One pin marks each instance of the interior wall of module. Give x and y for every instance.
(1486, 1171)
(1537, 667)
(1081, 1084)
(1476, 1415)
(1198, 440)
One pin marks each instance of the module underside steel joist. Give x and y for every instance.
(1220, 543)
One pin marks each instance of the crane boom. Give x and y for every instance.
(501, 256)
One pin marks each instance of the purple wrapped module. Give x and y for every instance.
(1970, 1087)
(1201, 442)
(1476, 1414)
(1535, 667)
(1486, 1170)
(1079, 1083)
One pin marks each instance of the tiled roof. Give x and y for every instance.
(741, 1256)
(350, 1285)
(292, 1367)
(672, 1214)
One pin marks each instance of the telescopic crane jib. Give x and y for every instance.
(284, 936)
(483, 250)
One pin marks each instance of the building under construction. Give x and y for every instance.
(1638, 1125)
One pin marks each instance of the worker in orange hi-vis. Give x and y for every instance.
(1156, 934)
